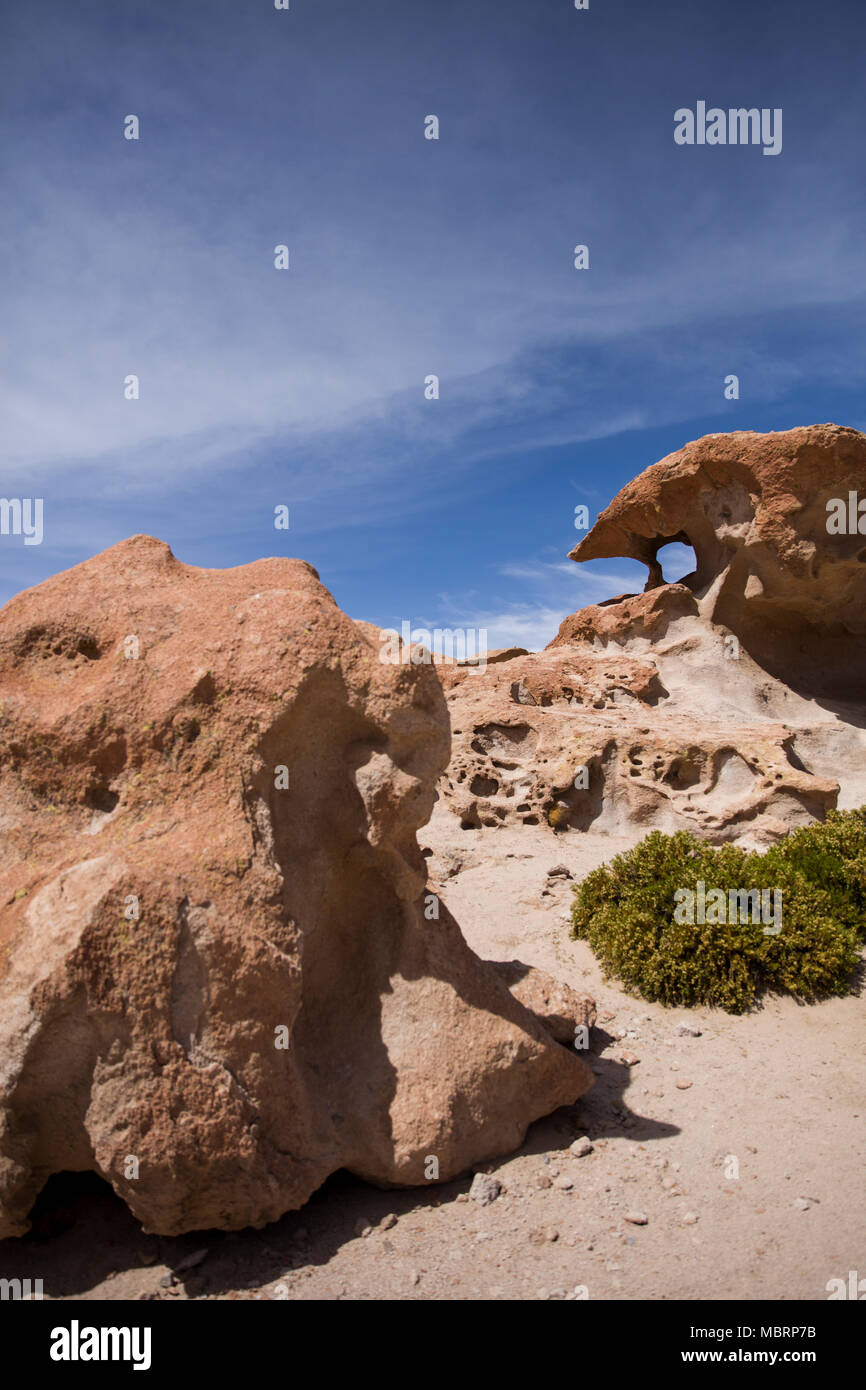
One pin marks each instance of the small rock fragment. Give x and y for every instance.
(682, 1084)
(581, 1147)
(484, 1189)
(637, 1218)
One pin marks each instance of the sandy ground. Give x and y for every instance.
(740, 1150)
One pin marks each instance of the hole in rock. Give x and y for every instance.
(678, 562)
(101, 798)
(483, 786)
(683, 772)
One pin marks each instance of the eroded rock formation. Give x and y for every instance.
(755, 509)
(730, 703)
(210, 788)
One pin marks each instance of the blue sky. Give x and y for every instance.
(411, 257)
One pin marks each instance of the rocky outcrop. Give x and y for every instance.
(221, 975)
(772, 564)
(692, 705)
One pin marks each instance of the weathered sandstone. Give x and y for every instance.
(210, 788)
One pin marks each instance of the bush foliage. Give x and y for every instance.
(625, 911)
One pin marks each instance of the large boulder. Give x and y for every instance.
(221, 975)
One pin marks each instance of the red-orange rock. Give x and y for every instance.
(210, 787)
(730, 703)
(756, 509)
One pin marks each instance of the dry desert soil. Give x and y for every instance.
(726, 1161)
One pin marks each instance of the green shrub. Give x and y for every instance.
(627, 911)
(831, 855)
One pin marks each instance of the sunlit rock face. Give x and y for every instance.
(730, 703)
(774, 565)
(222, 977)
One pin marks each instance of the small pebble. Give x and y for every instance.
(637, 1218)
(565, 1184)
(690, 1219)
(581, 1147)
(682, 1084)
(484, 1189)
(388, 1221)
(362, 1226)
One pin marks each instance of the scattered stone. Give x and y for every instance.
(801, 1204)
(559, 871)
(581, 1147)
(668, 1183)
(637, 1218)
(687, 1030)
(565, 1184)
(414, 1276)
(682, 1084)
(484, 1189)
(389, 1221)
(629, 1059)
(551, 1234)
(542, 1180)
(690, 1219)
(362, 1226)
